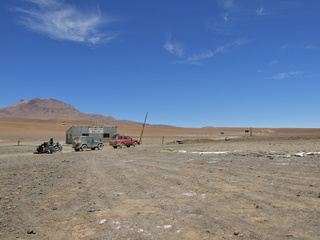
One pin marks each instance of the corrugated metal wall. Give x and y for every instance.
(101, 133)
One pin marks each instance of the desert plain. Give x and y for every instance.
(180, 183)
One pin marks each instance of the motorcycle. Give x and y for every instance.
(47, 148)
(57, 147)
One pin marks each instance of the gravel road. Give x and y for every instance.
(248, 188)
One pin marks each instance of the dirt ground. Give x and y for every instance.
(244, 188)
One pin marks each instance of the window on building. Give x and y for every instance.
(85, 134)
(106, 135)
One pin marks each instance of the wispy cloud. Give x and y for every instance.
(226, 3)
(260, 11)
(284, 75)
(311, 46)
(226, 17)
(274, 62)
(176, 50)
(58, 20)
(288, 47)
(235, 15)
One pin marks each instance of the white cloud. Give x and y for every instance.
(58, 20)
(274, 62)
(44, 3)
(311, 46)
(260, 11)
(226, 3)
(225, 17)
(288, 47)
(175, 49)
(284, 75)
(221, 49)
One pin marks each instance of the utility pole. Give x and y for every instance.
(145, 119)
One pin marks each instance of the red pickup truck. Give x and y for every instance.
(122, 141)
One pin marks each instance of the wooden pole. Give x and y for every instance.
(145, 119)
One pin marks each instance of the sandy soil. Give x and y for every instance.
(245, 188)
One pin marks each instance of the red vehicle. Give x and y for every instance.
(122, 141)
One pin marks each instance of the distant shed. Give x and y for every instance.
(99, 133)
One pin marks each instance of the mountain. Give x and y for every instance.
(52, 110)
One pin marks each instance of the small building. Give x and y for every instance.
(99, 133)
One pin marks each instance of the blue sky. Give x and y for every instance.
(189, 63)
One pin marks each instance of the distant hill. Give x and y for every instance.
(52, 110)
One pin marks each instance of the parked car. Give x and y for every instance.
(83, 143)
(123, 141)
